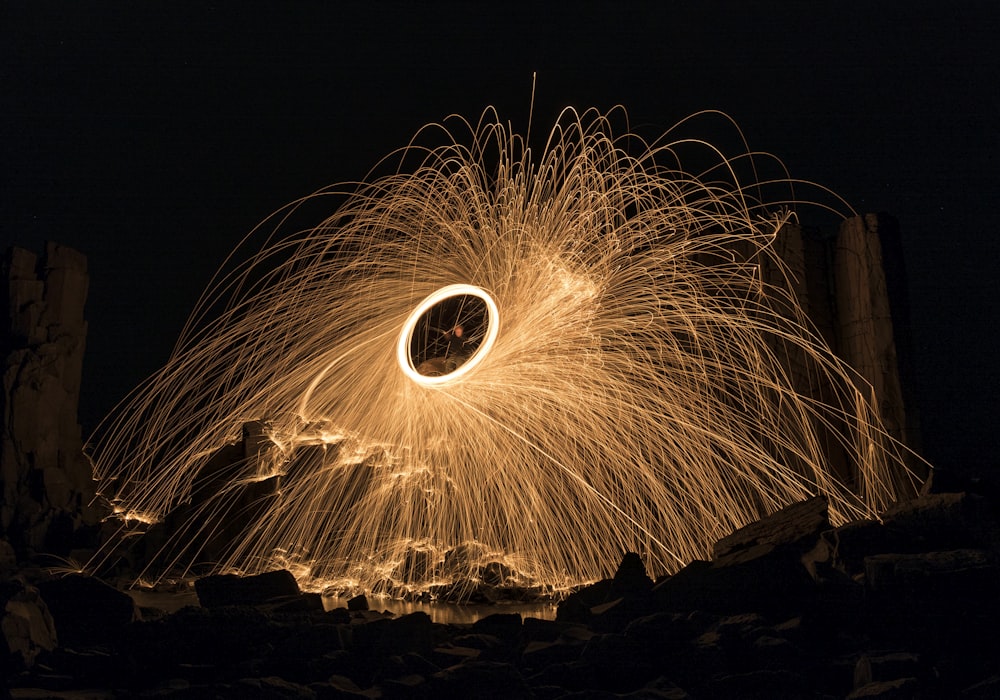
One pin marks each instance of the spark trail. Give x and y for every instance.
(623, 380)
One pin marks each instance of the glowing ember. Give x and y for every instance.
(638, 396)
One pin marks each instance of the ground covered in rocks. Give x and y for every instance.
(788, 607)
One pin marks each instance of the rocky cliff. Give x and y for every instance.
(47, 484)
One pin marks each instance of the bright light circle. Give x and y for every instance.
(452, 290)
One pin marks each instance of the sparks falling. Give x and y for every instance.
(624, 383)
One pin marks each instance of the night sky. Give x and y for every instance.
(152, 138)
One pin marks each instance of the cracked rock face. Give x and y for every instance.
(47, 482)
(852, 286)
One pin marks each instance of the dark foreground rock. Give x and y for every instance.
(229, 589)
(87, 612)
(789, 607)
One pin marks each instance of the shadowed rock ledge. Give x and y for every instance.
(788, 607)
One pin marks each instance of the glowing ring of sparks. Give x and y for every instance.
(406, 335)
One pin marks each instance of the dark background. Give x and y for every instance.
(153, 136)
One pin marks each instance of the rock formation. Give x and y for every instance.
(869, 330)
(47, 482)
(852, 287)
(788, 607)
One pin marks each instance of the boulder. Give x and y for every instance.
(483, 679)
(507, 627)
(767, 566)
(614, 601)
(358, 602)
(393, 637)
(797, 525)
(887, 666)
(949, 579)
(896, 689)
(26, 625)
(87, 611)
(941, 521)
(266, 688)
(230, 589)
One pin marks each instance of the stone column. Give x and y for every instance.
(47, 482)
(805, 278)
(852, 287)
(866, 329)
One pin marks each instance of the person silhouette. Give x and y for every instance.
(456, 352)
